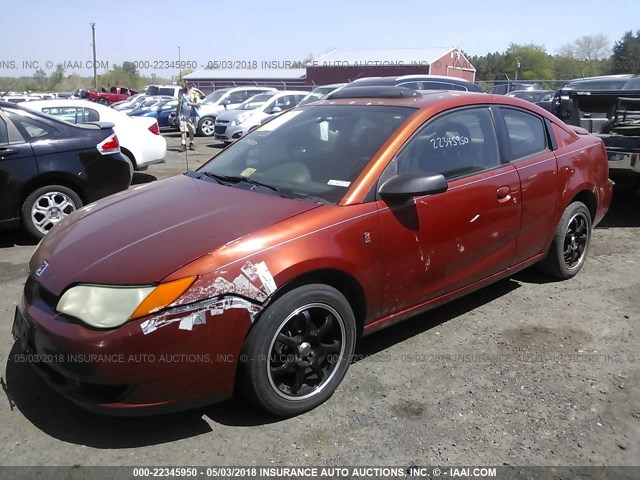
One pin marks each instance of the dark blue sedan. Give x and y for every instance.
(161, 112)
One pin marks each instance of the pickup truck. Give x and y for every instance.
(608, 106)
(115, 94)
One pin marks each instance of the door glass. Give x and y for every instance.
(32, 129)
(526, 133)
(4, 136)
(454, 144)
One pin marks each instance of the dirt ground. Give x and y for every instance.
(524, 372)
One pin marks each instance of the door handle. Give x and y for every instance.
(5, 152)
(503, 194)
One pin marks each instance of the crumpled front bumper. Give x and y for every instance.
(184, 357)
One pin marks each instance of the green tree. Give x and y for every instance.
(528, 62)
(126, 76)
(626, 54)
(584, 57)
(489, 67)
(40, 80)
(56, 77)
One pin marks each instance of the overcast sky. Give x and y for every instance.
(51, 32)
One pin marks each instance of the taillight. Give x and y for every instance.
(155, 129)
(109, 145)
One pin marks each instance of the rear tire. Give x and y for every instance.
(47, 206)
(299, 350)
(570, 245)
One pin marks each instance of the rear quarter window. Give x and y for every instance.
(527, 134)
(32, 129)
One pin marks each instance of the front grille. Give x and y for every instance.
(220, 129)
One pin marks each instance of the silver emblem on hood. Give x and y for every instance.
(43, 266)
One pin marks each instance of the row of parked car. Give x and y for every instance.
(59, 176)
(229, 113)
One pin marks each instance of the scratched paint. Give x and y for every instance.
(254, 282)
(196, 313)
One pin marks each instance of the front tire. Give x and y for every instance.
(47, 206)
(570, 245)
(206, 126)
(299, 350)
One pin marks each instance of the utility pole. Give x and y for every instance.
(93, 35)
(179, 68)
(517, 68)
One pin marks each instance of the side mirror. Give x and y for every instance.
(276, 110)
(412, 184)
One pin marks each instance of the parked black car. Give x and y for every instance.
(417, 82)
(508, 87)
(49, 167)
(544, 98)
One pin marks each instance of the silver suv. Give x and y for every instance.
(219, 101)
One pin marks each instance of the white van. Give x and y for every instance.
(171, 90)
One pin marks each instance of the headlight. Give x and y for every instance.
(239, 119)
(104, 306)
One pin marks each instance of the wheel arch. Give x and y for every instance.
(51, 179)
(130, 155)
(587, 197)
(342, 281)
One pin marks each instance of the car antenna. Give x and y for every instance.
(10, 88)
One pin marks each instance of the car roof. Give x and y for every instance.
(331, 85)
(62, 102)
(437, 99)
(281, 93)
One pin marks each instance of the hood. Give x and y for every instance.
(142, 235)
(230, 114)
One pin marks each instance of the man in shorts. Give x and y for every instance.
(188, 115)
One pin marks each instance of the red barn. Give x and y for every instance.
(347, 65)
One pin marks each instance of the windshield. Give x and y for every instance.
(313, 153)
(529, 96)
(255, 101)
(215, 96)
(317, 94)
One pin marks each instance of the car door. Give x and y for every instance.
(165, 112)
(17, 167)
(528, 146)
(433, 245)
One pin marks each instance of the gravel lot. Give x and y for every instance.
(524, 372)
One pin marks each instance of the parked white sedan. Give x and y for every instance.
(140, 139)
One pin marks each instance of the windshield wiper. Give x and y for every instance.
(240, 178)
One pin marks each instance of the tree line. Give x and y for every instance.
(587, 56)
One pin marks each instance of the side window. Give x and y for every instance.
(90, 115)
(441, 86)
(453, 144)
(4, 135)
(411, 85)
(287, 102)
(526, 133)
(32, 129)
(238, 97)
